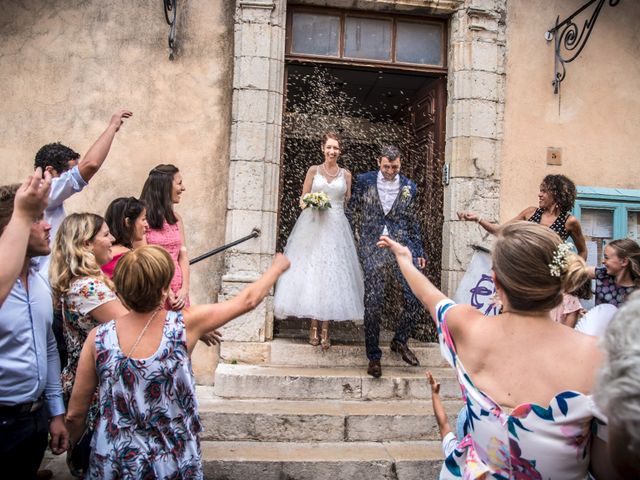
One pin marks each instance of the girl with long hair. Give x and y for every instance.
(161, 191)
(620, 273)
(126, 218)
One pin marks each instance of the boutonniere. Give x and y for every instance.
(406, 192)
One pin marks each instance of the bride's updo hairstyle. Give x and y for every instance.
(334, 136)
(522, 255)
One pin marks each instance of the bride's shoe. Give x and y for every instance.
(324, 336)
(314, 338)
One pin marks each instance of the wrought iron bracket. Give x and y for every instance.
(171, 14)
(570, 38)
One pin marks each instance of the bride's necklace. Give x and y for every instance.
(329, 174)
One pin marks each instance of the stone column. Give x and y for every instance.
(475, 116)
(255, 156)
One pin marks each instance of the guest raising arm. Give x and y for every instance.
(144, 365)
(508, 387)
(30, 201)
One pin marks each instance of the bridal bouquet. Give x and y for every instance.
(317, 200)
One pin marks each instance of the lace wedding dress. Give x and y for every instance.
(325, 278)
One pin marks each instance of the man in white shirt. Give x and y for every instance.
(383, 203)
(70, 176)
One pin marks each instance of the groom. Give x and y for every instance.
(383, 203)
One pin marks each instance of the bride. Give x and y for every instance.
(325, 279)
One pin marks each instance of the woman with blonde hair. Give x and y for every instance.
(140, 362)
(85, 295)
(620, 273)
(527, 417)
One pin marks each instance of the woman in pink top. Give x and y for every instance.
(127, 221)
(160, 192)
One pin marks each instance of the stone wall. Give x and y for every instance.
(66, 66)
(596, 117)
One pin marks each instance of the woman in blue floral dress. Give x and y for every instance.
(528, 419)
(148, 425)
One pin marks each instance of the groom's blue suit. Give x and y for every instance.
(367, 218)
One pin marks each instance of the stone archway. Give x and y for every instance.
(473, 134)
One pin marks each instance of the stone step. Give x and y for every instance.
(298, 352)
(341, 383)
(314, 421)
(321, 461)
(298, 328)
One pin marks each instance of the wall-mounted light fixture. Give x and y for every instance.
(171, 14)
(570, 38)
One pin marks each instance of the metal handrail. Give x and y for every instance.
(254, 234)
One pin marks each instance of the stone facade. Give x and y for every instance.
(474, 133)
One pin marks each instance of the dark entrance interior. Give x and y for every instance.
(369, 107)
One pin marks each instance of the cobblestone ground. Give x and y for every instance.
(57, 464)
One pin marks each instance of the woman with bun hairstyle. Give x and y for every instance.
(527, 417)
(127, 221)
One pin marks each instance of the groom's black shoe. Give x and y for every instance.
(375, 369)
(407, 355)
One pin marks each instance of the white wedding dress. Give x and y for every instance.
(324, 281)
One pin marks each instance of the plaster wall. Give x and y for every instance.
(596, 117)
(66, 66)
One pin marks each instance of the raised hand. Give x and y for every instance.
(400, 251)
(117, 118)
(435, 386)
(468, 216)
(211, 338)
(281, 262)
(33, 195)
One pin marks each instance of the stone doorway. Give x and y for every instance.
(474, 118)
(369, 108)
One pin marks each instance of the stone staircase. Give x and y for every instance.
(298, 413)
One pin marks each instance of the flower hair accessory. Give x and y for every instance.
(406, 192)
(560, 260)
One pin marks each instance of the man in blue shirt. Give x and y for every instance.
(31, 403)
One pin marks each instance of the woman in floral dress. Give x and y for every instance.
(85, 295)
(528, 419)
(148, 424)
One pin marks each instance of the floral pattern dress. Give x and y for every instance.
(607, 290)
(149, 424)
(531, 442)
(85, 294)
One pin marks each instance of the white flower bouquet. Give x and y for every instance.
(317, 200)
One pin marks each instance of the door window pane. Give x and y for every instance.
(315, 34)
(633, 225)
(367, 38)
(419, 43)
(597, 226)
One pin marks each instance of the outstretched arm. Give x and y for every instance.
(201, 319)
(491, 227)
(438, 407)
(420, 285)
(95, 157)
(28, 205)
(575, 231)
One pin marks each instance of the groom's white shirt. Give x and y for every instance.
(387, 191)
